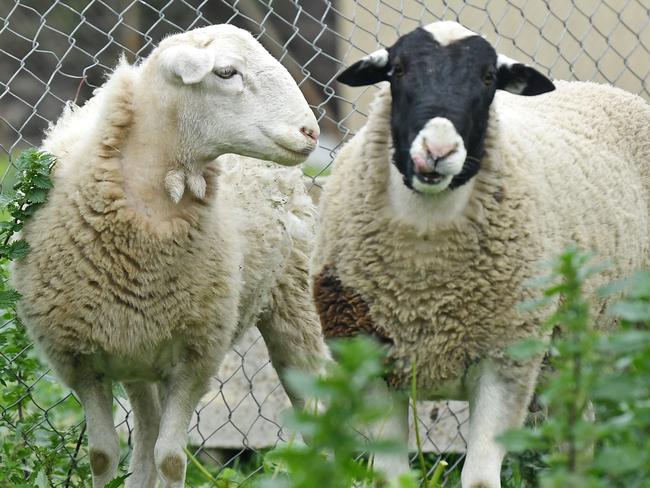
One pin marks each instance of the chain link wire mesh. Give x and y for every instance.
(52, 51)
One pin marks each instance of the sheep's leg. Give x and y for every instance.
(293, 337)
(498, 399)
(146, 411)
(292, 334)
(180, 395)
(97, 399)
(395, 427)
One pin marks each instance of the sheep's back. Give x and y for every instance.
(275, 217)
(582, 153)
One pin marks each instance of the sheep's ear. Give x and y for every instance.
(188, 63)
(367, 71)
(520, 79)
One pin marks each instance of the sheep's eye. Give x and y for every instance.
(398, 69)
(225, 73)
(488, 78)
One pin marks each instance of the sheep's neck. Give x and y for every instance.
(146, 160)
(426, 212)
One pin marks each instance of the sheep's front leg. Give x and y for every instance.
(146, 411)
(180, 394)
(498, 401)
(292, 334)
(96, 396)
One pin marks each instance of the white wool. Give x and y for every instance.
(441, 276)
(151, 256)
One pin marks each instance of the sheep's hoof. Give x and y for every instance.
(99, 462)
(480, 484)
(173, 467)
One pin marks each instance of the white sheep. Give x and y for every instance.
(439, 210)
(150, 257)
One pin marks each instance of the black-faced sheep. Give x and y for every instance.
(150, 257)
(439, 210)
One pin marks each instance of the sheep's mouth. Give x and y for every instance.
(303, 151)
(430, 178)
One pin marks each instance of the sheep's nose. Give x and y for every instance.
(440, 151)
(310, 133)
(435, 152)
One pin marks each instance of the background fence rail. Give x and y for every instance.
(52, 51)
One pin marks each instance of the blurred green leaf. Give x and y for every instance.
(16, 249)
(633, 311)
(117, 482)
(521, 440)
(618, 460)
(8, 298)
(527, 348)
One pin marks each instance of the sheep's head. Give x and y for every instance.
(443, 79)
(231, 96)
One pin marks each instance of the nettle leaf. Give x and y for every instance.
(23, 160)
(117, 482)
(628, 341)
(17, 249)
(42, 181)
(5, 199)
(632, 311)
(521, 440)
(640, 285)
(8, 298)
(616, 460)
(37, 195)
(616, 388)
(407, 480)
(41, 480)
(30, 210)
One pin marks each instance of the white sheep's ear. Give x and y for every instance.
(369, 70)
(189, 63)
(520, 79)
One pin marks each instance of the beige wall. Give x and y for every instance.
(605, 41)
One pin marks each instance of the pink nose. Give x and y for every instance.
(310, 133)
(440, 151)
(427, 163)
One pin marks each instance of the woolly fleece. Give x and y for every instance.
(568, 167)
(140, 282)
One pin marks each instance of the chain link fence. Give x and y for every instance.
(52, 51)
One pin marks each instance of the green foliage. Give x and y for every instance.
(211, 476)
(38, 446)
(352, 395)
(42, 432)
(609, 369)
(117, 482)
(30, 192)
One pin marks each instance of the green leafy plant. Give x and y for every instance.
(30, 191)
(39, 446)
(42, 432)
(589, 367)
(354, 402)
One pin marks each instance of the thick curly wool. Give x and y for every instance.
(567, 167)
(107, 276)
(154, 251)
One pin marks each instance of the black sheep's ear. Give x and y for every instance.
(367, 71)
(521, 79)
